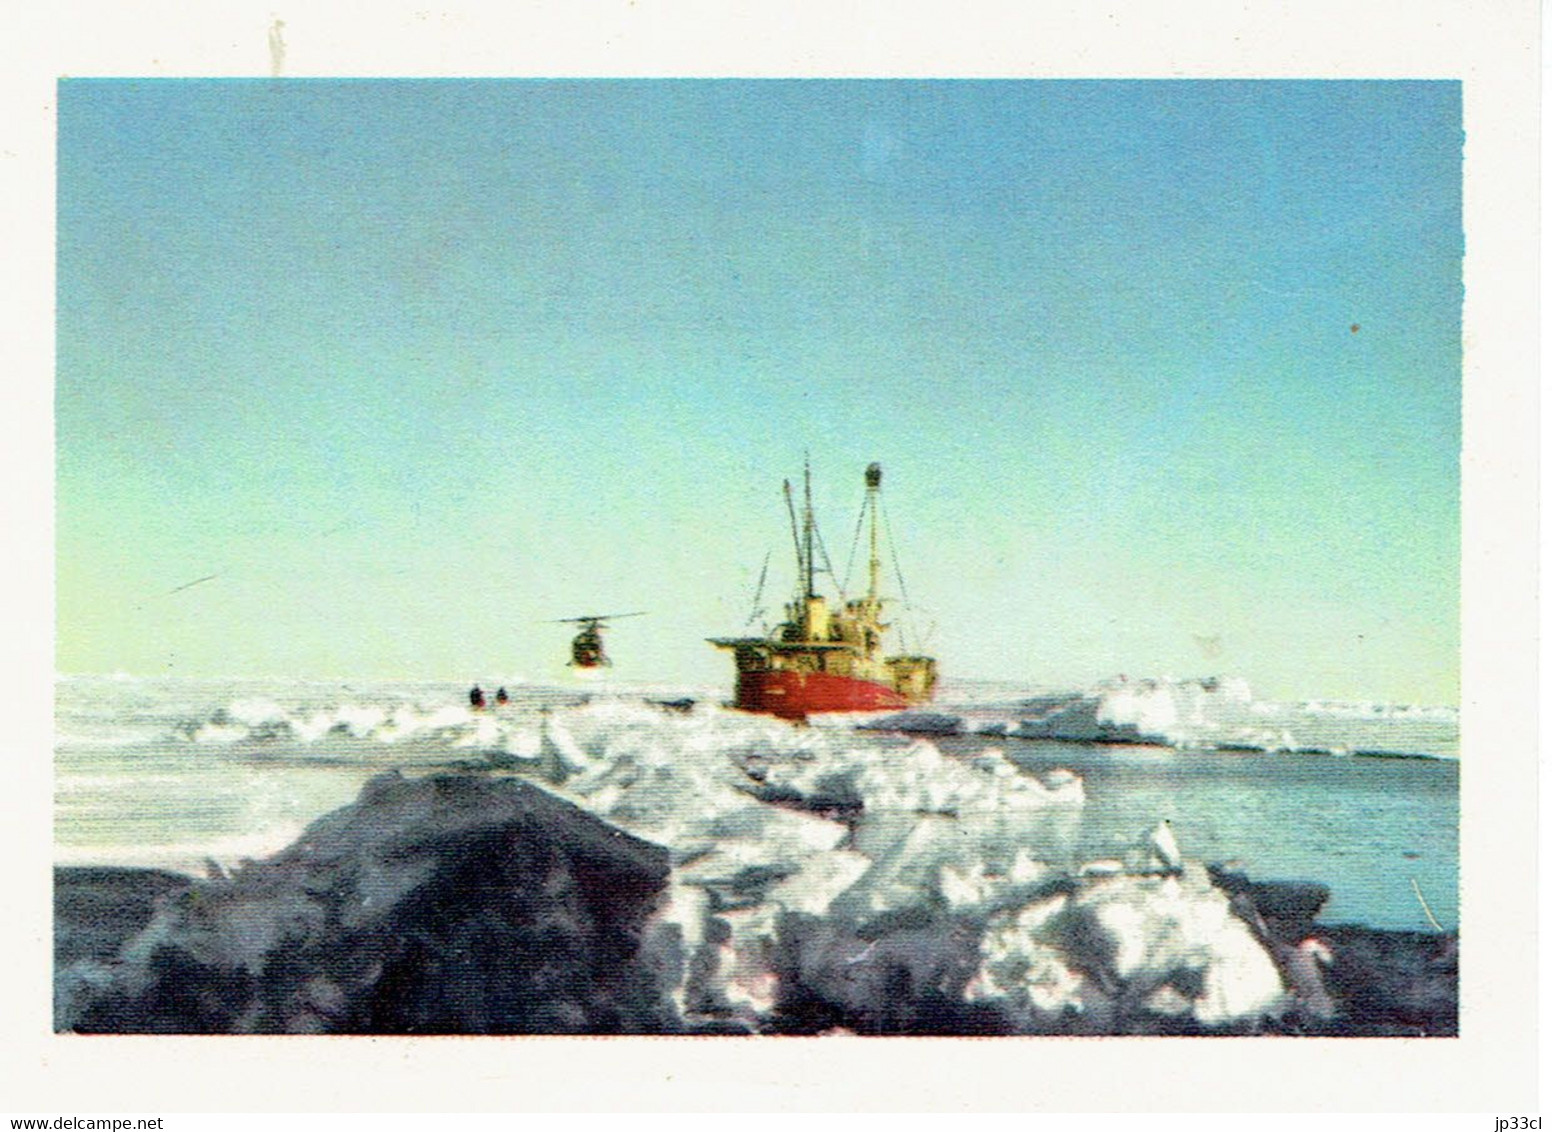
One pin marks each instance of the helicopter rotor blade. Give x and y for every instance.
(597, 619)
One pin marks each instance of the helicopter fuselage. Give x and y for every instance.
(587, 649)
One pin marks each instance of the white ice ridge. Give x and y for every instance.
(1207, 713)
(764, 819)
(1169, 945)
(451, 726)
(1171, 712)
(876, 842)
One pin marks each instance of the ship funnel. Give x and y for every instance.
(874, 475)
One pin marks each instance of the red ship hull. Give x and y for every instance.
(795, 695)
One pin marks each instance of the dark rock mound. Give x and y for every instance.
(1287, 909)
(1350, 981)
(916, 723)
(1394, 983)
(450, 904)
(905, 979)
(681, 706)
(97, 910)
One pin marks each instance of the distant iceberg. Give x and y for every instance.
(1208, 713)
(1175, 713)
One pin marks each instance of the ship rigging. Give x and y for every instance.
(824, 659)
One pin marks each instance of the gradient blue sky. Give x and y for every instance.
(412, 366)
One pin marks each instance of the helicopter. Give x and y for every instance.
(587, 647)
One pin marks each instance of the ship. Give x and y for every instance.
(826, 658)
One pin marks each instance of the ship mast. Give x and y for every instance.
(808, 533)
(792, 515)
(873, 477)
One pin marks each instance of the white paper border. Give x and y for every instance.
(1491, 47)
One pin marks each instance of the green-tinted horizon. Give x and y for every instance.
(373, 378)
